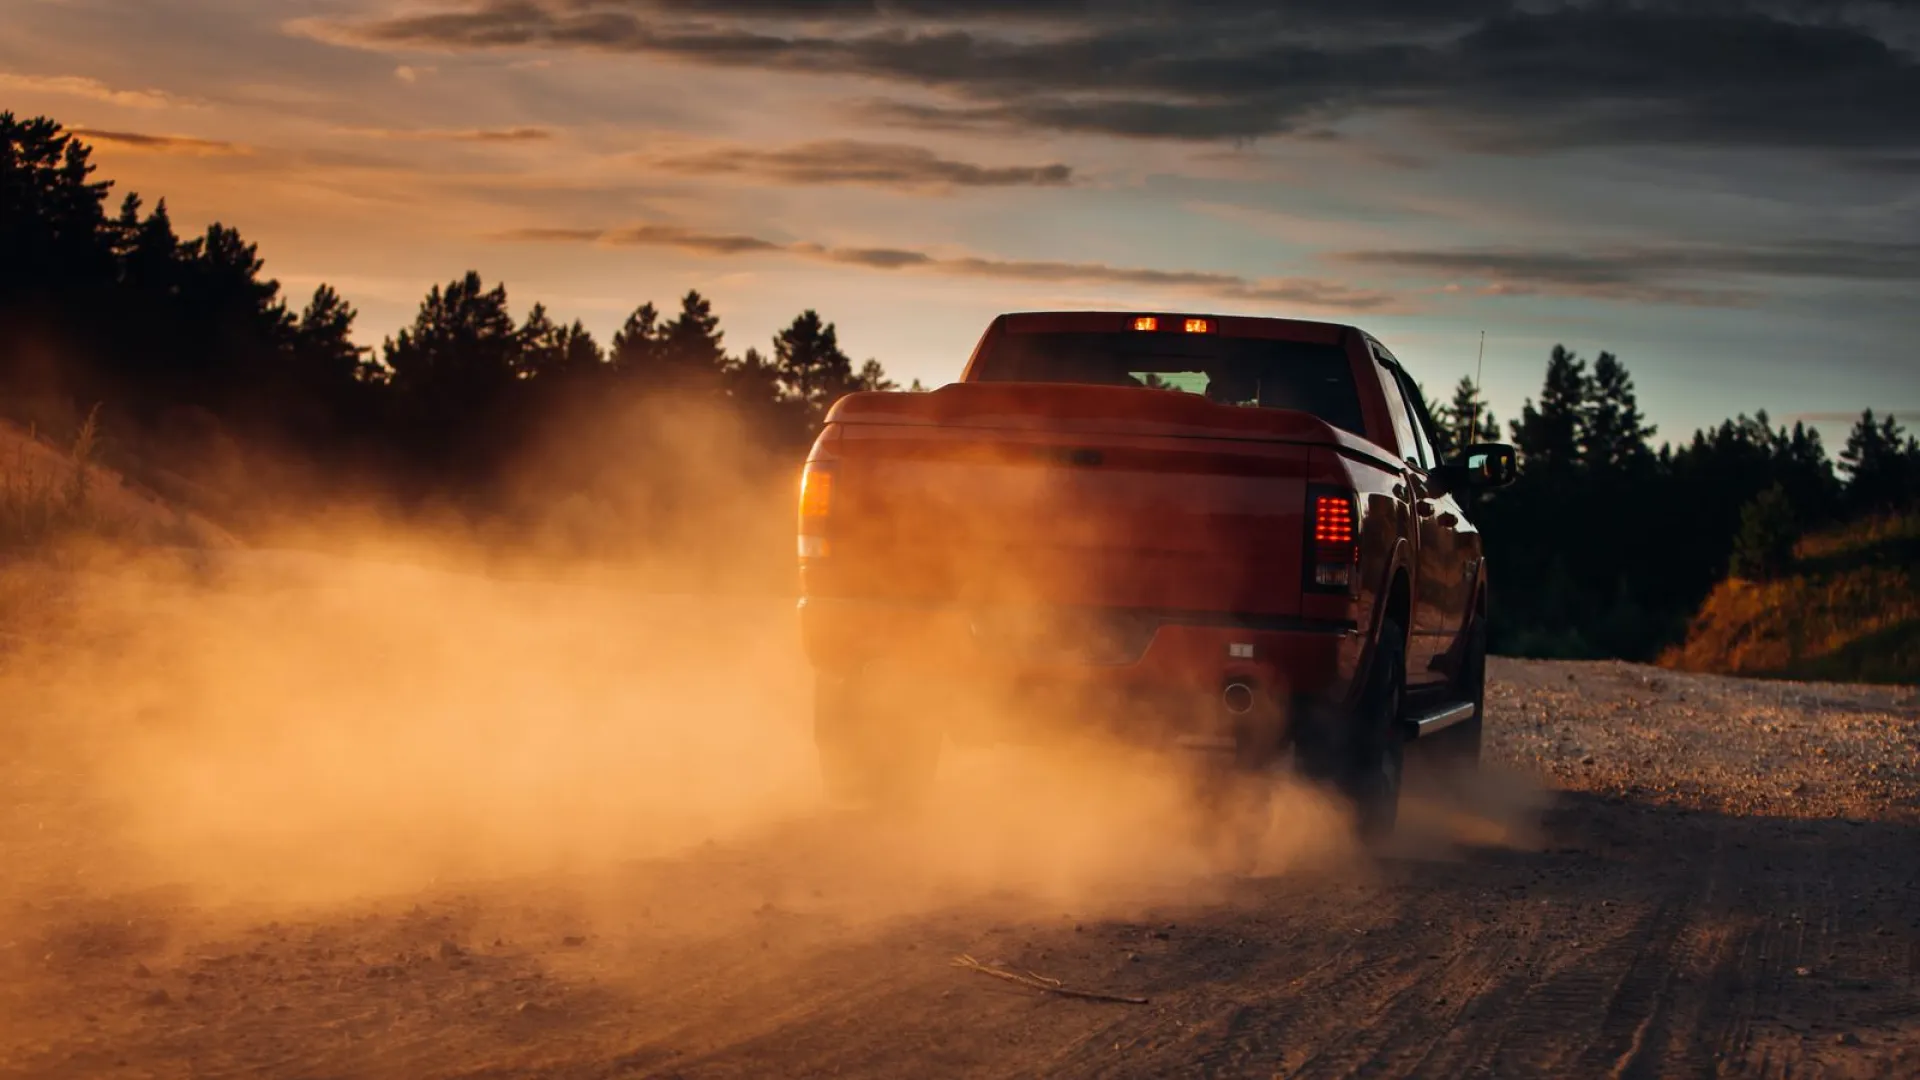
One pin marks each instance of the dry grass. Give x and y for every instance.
(1849, 611)
(57, 498)
(59, 509)
(42, 504)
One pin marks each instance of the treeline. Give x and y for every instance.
(203, 367)
(1605, 546)
(207, 375)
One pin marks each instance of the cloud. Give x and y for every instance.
(91, 89)
(1698, 274)
(163, 144)
(652, 236)
(1510, 77)
(1857, 260)
(472, 135)
(1298, 292)
(847, 161)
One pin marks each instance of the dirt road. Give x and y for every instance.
(1659, 875)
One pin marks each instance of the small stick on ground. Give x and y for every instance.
(1041, 982)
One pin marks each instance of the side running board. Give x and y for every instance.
(1442, 718)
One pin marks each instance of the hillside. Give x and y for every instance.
(1848, 611)
(49, 493)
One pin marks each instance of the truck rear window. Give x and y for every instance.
(1252, 372)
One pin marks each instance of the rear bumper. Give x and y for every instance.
(1168, 677)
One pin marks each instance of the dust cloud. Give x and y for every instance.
(370, 710)
(307, 730)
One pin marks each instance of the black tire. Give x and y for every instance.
(874, 753)
(1375, 751)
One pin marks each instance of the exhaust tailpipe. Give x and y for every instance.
(1238, 697)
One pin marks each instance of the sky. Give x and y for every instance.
(1723, 193)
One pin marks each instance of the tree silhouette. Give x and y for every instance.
(552, 352)
(450, 374)
(462, 342)
(52, 213)
(56, 262)
(1613, 436)
(809, 365)
(1464, 420)
(636, 348)
(754, 380)
(873, 377)
(1548, 437)
(692, 356)
(1882, 464)
(323, 340)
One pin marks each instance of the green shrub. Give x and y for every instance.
(1763, 548)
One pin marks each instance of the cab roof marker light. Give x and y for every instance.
(1145, 322)
(1198, 326)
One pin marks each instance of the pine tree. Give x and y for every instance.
(323, 341)
(1464, 420)
(463, 343)
(636, 345)
(1548, 437)
(812, 369)
(550, 351)
(873, 377)
(754, 381)
(691, 354)
(1614, 438)
(150, 252)
(1882, 465)
(54, 233)
(1807, 475)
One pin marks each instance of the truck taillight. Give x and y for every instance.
(816, 502)
(1333, 548)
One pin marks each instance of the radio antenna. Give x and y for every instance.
(1473, 414)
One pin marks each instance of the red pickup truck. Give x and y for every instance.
(1225, 534)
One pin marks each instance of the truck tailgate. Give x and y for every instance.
(986, 516)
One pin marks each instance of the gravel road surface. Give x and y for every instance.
(1656, 875)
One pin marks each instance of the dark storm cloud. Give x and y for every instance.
(1232, 287)
(1512, 78)
(1041, 11)
(845, 161)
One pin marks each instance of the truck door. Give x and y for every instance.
(1452, 579)
(1430, 635)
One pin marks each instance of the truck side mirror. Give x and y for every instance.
(1488, 465)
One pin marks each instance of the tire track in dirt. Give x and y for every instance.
(1687, 914)
(1223, 1029)
(1401, 1032)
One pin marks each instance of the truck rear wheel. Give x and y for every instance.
(875, 751)
(1363, 760)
